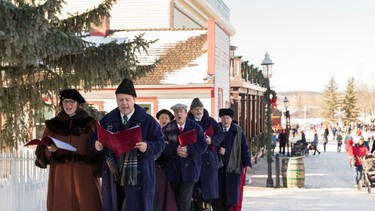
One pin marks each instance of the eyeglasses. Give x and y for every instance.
(67, 101)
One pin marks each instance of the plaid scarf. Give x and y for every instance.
(129, 174)
(128, 164)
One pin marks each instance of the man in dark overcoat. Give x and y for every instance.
(128, 181)
(235, 154)
(183, 163)
(207, 189)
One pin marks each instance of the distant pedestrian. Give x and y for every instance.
(339, 141)
(315, 143)
(347, 137)
(274, 142)
(283, 139)
(358, 132)
(373, 144)
(367, 143)
(360, 151)
(350, 151)
(325, 138)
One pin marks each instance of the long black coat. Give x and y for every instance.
(231, 180)
(209, 178)
(141, 196)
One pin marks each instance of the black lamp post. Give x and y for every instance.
(286, 104)
(267, 73)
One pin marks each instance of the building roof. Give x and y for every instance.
(182, 56)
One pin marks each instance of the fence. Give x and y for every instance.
(23, 186)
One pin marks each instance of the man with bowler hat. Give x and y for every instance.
(128, 181)
(234, 151)
(207, 187)
(183, 163)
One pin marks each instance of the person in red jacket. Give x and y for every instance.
(350, 151)
(360, 151)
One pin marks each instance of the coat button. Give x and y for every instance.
(208, 163)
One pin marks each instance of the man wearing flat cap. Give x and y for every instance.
(234, 162)
(128, 181)
(206, 189)
(183, 163)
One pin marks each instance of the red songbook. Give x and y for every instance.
(189, 137)
(48, 141)
(210, 132)
(119, 142)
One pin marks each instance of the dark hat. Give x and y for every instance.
(226, 111)
(196, 103)
(164, 111)
(126, 87)
(72, 94)
(179, 106)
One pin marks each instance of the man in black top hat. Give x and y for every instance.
(236, 157)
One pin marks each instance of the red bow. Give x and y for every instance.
(273, 102)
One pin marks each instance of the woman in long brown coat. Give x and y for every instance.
(72, 182)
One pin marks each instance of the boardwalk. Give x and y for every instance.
(329, 185)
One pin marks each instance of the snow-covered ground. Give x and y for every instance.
(329, 185)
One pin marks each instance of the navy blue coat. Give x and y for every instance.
(231, 180)
(180, 169)
(138, 197)
(209, 178)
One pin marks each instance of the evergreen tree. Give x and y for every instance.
(350, 102)
(42, 54)
(330, 102)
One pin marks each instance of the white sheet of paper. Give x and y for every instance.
(62, 145)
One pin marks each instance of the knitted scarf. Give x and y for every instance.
(234, 163)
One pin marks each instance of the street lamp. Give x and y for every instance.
(267, 73)
(286, 104)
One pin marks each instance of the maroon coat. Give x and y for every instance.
(72, 181)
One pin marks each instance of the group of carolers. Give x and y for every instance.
(159, 173)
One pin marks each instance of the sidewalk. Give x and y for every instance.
(328, 185)
(259, 173)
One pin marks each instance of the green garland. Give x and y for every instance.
(269, 93)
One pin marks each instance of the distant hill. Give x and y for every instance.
(301, 104)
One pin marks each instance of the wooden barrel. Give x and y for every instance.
(296, 172)
(284, 169)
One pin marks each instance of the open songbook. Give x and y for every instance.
(188, 137)
(48, 141)
(119, 142)
(210, 132)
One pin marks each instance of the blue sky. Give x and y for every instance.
(310, 41)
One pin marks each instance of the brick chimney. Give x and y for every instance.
(100, 30)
